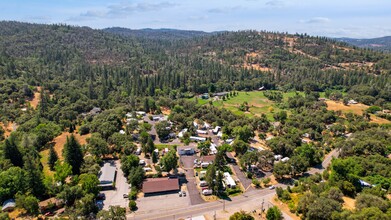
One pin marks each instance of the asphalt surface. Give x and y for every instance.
(246, 182)
(326, 162)
(115, 197)
(194, 193)
(254, 197)
(153, 129)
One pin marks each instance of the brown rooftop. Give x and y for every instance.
(208, 158)
(158, 185)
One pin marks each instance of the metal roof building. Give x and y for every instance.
(107, 175)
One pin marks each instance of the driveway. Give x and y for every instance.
(325, 163)
(194, 194)
(115, 197)
(246, 182)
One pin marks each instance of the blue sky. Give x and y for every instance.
(333, 18)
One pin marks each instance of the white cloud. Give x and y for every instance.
(123, 10)
(316, 20)
(275, 3)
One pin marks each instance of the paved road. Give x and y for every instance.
(326, 162)
(194, 193)
(153, 129)
(115, 197)
(254, 197)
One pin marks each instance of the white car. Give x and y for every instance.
(272, 187)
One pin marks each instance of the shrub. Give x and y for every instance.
(132, 205)
(256, 182)
(233, 191)
(84, 129)
(292, 207)
(133, 193)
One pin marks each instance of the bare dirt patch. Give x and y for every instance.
(11, 126)
(348, 203)
(165, 110)
(37, 96)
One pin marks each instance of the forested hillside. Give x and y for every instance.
(380, 44)
(92, 66)
(57, 80)
(157, 34)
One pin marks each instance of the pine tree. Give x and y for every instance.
(12, 152)
(73, 154)
(53, 157)
(34, 176)
(154, 157)
(150, 146)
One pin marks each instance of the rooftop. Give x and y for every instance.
(157, 185)
(107, 173)
(209, 158)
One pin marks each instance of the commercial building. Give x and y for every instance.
(153, 186)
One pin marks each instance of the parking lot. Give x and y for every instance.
(162, 203)
(115, 197)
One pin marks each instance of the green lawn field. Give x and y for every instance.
(257, 102)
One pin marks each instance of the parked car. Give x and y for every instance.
(126, 196)
(184, 193)
(180, 194)
(101, 196)
(272, 187)
(207, 192)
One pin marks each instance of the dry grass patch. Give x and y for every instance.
(37, 96)
(357, 109)
(11, 126)
(348, 203)
(59, 142)
(283, 207)
(165, 110)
